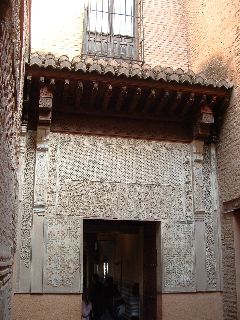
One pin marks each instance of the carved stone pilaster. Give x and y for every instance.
(40, 188)
(199, 212)
(41, 167)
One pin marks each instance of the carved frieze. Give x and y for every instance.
(108, 177)
(178, 256)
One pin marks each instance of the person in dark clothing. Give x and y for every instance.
(108, 295)
(96, 295)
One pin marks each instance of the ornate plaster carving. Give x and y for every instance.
(62, 259)
(27, 202)
(120, 178)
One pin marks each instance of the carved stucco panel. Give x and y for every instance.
(210, 220)
(27, 202)
(63, 238)
(116, 178)
(178, 256)
(40, 178)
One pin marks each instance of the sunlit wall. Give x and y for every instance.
(56, 26)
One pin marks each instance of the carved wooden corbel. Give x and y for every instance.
(163, 102)
(135, 100)
(94, 94)
(107, 97)
(121, 98)
(204, 120)
(149, 101)
(78, 93)
(45, 106)
(177, 100)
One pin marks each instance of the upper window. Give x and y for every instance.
(112, 29)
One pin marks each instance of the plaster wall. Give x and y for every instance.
(197, 306)
(51, 307)
(188, 306)
(61, 33)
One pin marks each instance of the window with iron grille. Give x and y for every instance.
(114, 28)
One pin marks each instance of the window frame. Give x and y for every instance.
(132, 43)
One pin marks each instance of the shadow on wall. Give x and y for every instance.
(216, 68)
(4, 5)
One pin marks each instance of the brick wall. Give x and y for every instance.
(11, 70)
(61, 33)
(56, 27)
(214, 40)
(165, 33)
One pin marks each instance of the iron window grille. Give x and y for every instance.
(114, 29)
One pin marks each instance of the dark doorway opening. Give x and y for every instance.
(126, 253)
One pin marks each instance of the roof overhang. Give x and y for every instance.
(118, 90)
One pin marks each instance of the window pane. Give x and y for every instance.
(123, 17)
(98, 16)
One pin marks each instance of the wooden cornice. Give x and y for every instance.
(103, 89)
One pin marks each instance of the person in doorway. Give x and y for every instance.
(86, 307)
(96, 296)
(134, 302)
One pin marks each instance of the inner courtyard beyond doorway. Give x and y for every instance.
(120, 257)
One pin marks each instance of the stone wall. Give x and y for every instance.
(214, 39)
(12, 37)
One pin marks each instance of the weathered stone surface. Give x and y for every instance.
(11, 87)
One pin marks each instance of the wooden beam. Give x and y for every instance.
(107, 97)
(163, 102)
(129, 82)
(135, 100)
(78, 93)
(65, 91)
(121, 98)
(41, 82)
(94, 94)
(213, 102)
(149, 101)
(189, 104)
(52, 85)
(203, 100)
(176, 101)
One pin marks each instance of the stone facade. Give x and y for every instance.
(200, 35)
(12, 51)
